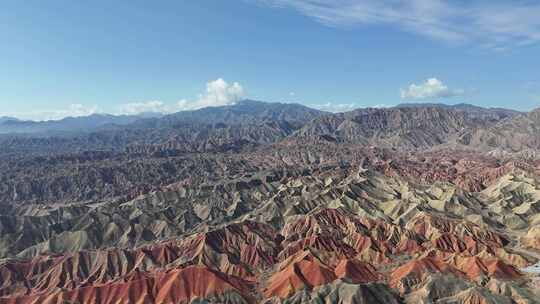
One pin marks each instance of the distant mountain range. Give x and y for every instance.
(290, 133)
(471, 110)
(7, 118)
(69, 124)
(245, 111)
(412, 126)
(254, 123)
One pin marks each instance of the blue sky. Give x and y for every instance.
(62, 57)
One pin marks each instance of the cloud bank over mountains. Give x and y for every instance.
(72, 110)
(334, 107)
(222, 93)
(218, 93)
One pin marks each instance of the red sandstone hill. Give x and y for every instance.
(416, 271)
(174, 286)
(357, 272)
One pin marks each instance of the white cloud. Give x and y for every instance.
(77, 109)
(218, 93)
(344, 107)
(431, 88)
(381, 106)
(153, 106)
(73, 110)
(292, 94)
(494, 24)
(334, 107)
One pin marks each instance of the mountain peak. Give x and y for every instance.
(250, 102)
(7, 118)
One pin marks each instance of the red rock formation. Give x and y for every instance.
(417, 270)
(297, 276)
(179, 286)
(174, 286)
(356, 271)
(475, 267)
(239, 249)
(433, 227)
